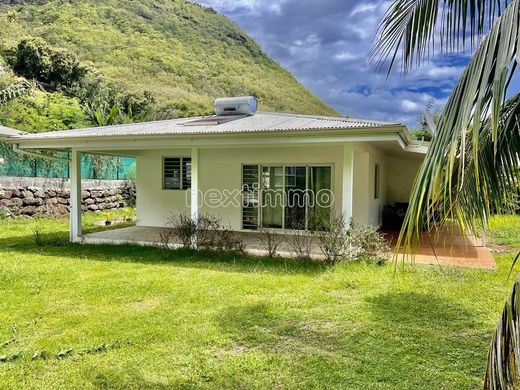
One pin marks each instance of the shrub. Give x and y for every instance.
(333, 239)
(356, 242)
(270, 240)
(301, 242)
(167, 238)
(207, 233)
(183, 228)
(367, 244)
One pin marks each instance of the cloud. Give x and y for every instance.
(326, 45)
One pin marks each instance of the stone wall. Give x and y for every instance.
(50, 197)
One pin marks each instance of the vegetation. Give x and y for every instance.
(177, 55)
(207, 232)
(423, 132)
(472, 167)
(74, 64)
(89, 316)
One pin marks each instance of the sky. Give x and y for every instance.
(326, 43)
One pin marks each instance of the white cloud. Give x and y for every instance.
(409, 106)
(363, 8)
(345, 56)
(326, 44)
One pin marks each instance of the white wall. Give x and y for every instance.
(220, 169)
(368, 209)
(401, 172)
(153, 203)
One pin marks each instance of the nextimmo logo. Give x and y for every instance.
(254, 196)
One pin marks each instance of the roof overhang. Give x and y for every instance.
(7, 132)
(395, 134)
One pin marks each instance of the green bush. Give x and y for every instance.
(366, 243)
(34, 59)
(43, 112)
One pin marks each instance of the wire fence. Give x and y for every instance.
(92, 167)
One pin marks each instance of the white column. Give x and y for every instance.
(347, 182)
(75, 195)
(195, 183)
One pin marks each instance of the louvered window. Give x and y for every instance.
(176, 173)
(250, 200)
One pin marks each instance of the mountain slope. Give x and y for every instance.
(185, 54)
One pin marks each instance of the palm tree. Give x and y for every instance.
(472, 167)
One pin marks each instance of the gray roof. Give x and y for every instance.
(261, 122)
(8, 132)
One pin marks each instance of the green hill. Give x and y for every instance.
(183, 54)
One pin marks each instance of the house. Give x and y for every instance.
(252, 169)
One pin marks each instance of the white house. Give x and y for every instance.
(202, 165)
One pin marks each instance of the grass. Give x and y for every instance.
(139, 317)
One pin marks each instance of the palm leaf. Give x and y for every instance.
(14, 91)
(411, 26)
(470, 117)
(503, 371)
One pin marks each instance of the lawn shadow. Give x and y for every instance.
(57, 244)
(273, 329)
(421, 336)
(420, 309)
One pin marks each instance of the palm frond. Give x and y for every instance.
(471, 122)
(14, 91)
(503, 368)
(411, 27)
(491, 174)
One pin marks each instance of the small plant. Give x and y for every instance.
(367, 244)
(38, 237)
(301, 242)
(227, 240)
(207, 233)
(108, 218)
(167, 238)
(183, 229)
(270, 240)
(332, 239)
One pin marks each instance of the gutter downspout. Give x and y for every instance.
(39, 155)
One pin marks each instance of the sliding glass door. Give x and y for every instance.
(296, 197)
(320, 201)
(287, 197)
(272, 197)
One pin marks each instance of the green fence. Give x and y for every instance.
(92, 167)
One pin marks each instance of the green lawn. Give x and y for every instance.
(146, 318)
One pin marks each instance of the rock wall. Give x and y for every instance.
(50, 197)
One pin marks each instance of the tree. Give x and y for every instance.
(472, 164)
(423, 132)
(34, 59)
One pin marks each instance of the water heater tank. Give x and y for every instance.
(242, 105)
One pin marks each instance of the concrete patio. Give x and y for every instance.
(447, 248)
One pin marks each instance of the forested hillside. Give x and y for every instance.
(71, 63)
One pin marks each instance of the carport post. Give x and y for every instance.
(75, 195)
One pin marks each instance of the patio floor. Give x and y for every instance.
(447, 248)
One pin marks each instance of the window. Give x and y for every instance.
(285, 197)
(176, 173)
(250, 200)
(376, 181)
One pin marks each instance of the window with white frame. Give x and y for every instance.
(176, 173)
(286, 196)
